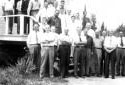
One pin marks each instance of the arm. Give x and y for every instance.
(3, 9)
(28, 40)
(29, 7)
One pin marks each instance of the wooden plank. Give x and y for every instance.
(13, 38)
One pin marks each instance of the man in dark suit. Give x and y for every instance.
(24, 11)
(55, 21)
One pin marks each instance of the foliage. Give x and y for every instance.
(11, 76)
(14, 75)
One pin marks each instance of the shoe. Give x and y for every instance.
(106, 76)
(117, 74)
(76, 76)
(113, 77)
(88, 75)
(82, 76)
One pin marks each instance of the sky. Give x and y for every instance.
(110, 11)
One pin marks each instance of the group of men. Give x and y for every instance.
(62, 35)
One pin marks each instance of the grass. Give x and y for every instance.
(18, 75)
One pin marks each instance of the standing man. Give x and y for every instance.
(33, 41)
(79, 50)
(90, 51)
(98, 49)
(43, 12)
(33, 7)
(102, 61)
(48, 48)
(8, 9)
(24, 8)
(120, 56)
(56, 21)
(91, 54)
(64, 52)
(19, 6)
(110, 44)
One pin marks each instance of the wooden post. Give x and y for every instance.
(7, 25)
(31, 25)
(21, 24)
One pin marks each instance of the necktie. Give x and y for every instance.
(121, 42)
(80, 38)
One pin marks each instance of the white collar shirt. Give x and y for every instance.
(110, 42)
(50, 37)
(119, 42)
(34, 5)
(8, 5)
(33, 38)
(19, 4)
(65, 38)
(98, 42)
(63, 22)
(83, 37)
(91, 33)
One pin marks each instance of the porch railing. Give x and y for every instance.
(6, 19)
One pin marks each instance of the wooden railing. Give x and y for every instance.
(21, 23)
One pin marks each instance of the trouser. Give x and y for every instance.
(120, 60)
(102, 61)
(110, 57)
(64, 53)
(79, 55)
(47, 53)
(90, 63)
(99, 57)
(35, 54)
(10, 19)
(34, 12)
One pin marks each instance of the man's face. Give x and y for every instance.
(66, 31)
(110, 33)
(62, 3)
(77, 15)
(69, 12)
(88, 26)
(57, 13)
(73, 18)
(36, 27)
(45, 4)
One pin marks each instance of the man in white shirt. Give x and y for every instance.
(43, 12)
(64, 52)
(110, 44)
(98, 49)
(33, 41)
(91, 32)
(79, 52)
(33, 7)
(48, 48)
(120, 55)
(8, 9)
